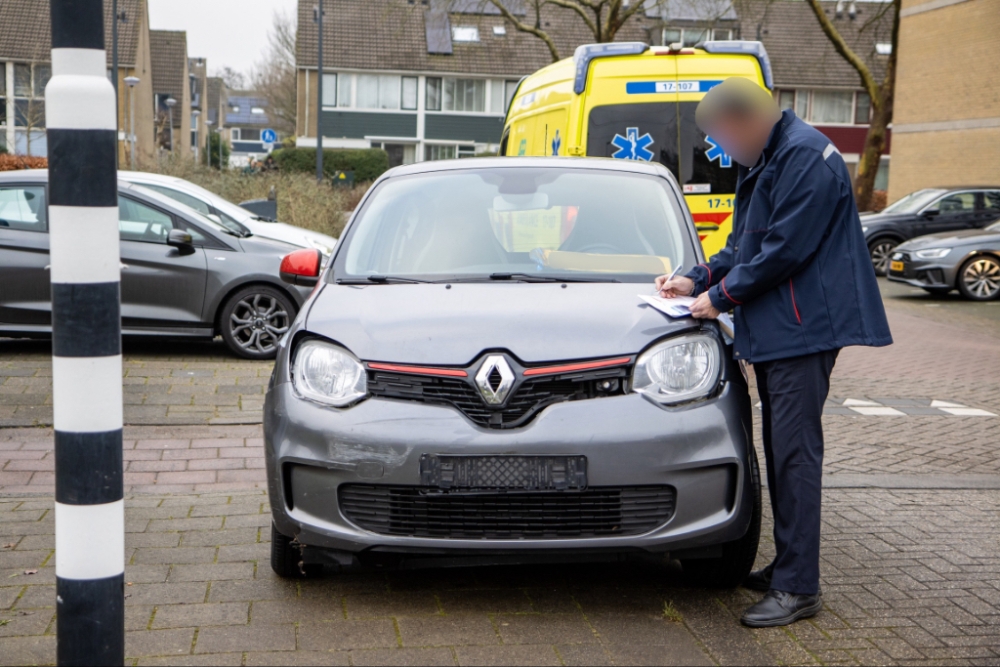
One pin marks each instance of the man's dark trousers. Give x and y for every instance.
(792, 394)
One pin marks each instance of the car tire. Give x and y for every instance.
(254, 319)
(979, 278)
(738, 556)
(285, 556)
(879, 251)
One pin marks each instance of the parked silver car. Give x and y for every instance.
(476, 378)
(183, 275)
(967, 260)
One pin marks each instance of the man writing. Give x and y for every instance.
(796, 272)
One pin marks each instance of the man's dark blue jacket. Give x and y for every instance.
(796, 267)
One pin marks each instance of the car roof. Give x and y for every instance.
(582, 163)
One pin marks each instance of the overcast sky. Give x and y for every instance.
(228, 32)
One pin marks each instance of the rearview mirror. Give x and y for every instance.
(301, 267)
(180, 239)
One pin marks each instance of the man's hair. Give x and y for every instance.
(735, 96)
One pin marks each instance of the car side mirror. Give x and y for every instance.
(301, 267)
(180, 239)
(930, 213)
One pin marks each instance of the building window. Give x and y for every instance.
(234, 134)
(499, 30)
(194, 138)
(465, 33)
(29, 96)
(688, 36)
(832, 106)
(464, 95)
(329, 90)
(249, 134)
(722, 34)
(345, 90)
(42, 74)
(409, 93)
(378, 91)
(786, 99)
(433, 101)
(496, 97)
(510, 89)
(22, 80)
(862, 109)
(435, 152)
(3, 103)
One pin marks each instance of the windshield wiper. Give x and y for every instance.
(381, 280)
(537, 278)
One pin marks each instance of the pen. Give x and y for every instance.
(671, 276)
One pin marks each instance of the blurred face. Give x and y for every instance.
(742, 136)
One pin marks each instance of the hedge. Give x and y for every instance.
(14, 162)
(366, 163)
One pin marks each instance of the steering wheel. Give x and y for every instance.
(602, 249)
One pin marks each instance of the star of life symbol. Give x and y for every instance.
(632, 146)
(556, 143)
(715, 152)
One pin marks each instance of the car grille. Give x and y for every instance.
(527, 400)
(414, 511)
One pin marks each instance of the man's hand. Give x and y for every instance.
(669, 287)
(702, 308)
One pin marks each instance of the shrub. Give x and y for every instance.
(10, 162)
(215, 144)
(366, 163)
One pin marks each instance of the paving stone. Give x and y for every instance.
(544, 629)
(544, 654)
(219, 572)
(246, 638)
(199, 615)
(266, 659)
(404, 656)
(390, 604)
(158, 642)
(339, 635)
(450, 630)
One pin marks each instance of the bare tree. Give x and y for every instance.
(234, 80)
(274, 76)
(881, 93)
(603, 18)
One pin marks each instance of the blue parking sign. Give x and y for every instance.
(269, 136)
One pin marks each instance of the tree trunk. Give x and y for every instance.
(875, 140)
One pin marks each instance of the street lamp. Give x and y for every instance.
(131, 82)
(171, 103)
(194, 114)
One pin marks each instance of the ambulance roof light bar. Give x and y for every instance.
(755, 49)
(588, 52)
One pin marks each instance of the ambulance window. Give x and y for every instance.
(635, 132)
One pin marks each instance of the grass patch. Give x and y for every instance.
(670, 612)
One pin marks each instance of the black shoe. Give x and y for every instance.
(780, 608)
(760, 580)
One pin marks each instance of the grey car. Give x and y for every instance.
(968, 261)
(476, 379)
(183, 275)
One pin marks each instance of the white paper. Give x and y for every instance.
(680, 306)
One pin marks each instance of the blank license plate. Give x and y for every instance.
(516, 473)
(896, 266)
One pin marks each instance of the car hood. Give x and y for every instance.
(297, 236)
(877, 218)
(977, 236)
(259, 244)
(437, 325)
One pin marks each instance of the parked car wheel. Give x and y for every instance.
(879, 250)
(979, 278)
(738, 556)
(254, 319)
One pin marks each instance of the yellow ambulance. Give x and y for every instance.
(632, 101)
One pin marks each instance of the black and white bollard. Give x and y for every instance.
(86, 339)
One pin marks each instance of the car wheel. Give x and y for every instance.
(286, 557)
(254, 319)
(979, 278)
(738, 556)
(880, 250)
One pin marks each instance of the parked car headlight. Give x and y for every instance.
(325, 373)
(677, 370)
(863, 229)
(932, 253)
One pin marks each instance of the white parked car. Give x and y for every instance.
(228, 213)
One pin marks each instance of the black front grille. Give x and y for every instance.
(415, 511)
(528, 398)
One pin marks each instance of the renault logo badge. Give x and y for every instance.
(494, 379)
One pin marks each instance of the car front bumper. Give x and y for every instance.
(701, 450)
(926, 274)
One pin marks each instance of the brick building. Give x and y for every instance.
(946, 120)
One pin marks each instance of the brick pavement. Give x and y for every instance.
(164, 383)
(911, 572)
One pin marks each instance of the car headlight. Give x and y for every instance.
(863, 229)
(678, 370)
(932, 253)
(325, 373)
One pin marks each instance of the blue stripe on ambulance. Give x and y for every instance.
(654, 87)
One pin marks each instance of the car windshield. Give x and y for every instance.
(914, 201)
(519, 224)
(198, 216)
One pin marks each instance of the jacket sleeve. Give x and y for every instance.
(706, 275)
(804, 198)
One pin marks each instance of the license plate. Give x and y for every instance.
(520, 473)
(896, 266)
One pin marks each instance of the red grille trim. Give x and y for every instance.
(582, 366)
(419, 370)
